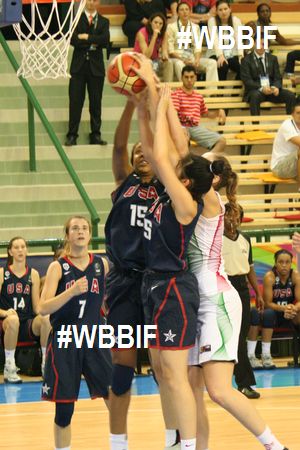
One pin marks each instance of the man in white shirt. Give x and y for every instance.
(285, 162)
(192, 54)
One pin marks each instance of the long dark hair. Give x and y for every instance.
(10, 259)
(200, 172)
(234, 214)
(217, 18)
(164, 27)
(229, 181)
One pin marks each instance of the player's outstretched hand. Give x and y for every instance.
(145, 71)
(80, 286)
(164, 94)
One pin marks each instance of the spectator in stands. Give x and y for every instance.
(87, 70)
(152, 41)
(139, 11)
(291, 59)
(190, 106)
(19, 298)
(226, 59)
(192, 54)
(282, 307)
(285, 162)
(261, 77)
(264, 19)
(239, 266)
(202, 10)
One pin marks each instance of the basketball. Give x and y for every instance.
(122, 78)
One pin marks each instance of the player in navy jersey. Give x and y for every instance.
(281, 293)
(73, 295)
(136, 189)
(19, 286)
(170, 292)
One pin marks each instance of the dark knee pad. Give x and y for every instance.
(63, 414)
(121, 379)
(269, 318)
(254, 317)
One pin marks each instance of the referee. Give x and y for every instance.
(237, 254)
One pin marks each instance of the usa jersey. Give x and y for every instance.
(165, 239)
(283, 294)
(83, 309)
(124, 226)
(16, 293)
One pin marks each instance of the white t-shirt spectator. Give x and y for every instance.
(282, 146)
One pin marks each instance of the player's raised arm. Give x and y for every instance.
(120, 158)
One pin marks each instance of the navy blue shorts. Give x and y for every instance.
(123, 299)
(171, 302)
(25, 331)
(65, 366)
(269, 319)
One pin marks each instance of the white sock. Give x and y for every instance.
(189, 444)
(269, 440)
(118, 442)
(170, 437)
(251, 346)
(10, 355)
(266, 348)
(62, 448)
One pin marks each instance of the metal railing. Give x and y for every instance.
(259, 235)
(33, 104)
(267, 233)
(53, 243)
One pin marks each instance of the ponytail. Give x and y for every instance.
(229, 181)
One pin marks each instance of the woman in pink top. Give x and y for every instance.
(152, 42)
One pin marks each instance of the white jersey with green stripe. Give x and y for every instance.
(205, 254)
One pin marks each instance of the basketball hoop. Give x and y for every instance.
(45, 53)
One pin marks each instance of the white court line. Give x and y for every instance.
(92, 411)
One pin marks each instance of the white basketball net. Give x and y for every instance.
(45, 55)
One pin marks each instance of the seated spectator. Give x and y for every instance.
(261, 77)
(152, 41)
(239, 266)
(286, 147)
(226, 59)
(291, 59)
(281, 293)
(264, 19)
(19, 298)
(192, 54)
(190, 106)
(138, 13)
(202, 10)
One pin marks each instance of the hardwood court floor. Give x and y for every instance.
(28, 426)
